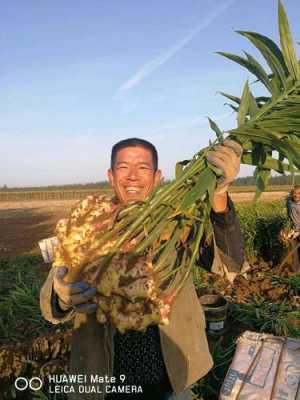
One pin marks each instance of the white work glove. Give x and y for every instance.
(226, 157)
(76, 295)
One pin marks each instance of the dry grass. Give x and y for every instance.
(246, 197)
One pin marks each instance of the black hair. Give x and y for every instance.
(133, 142)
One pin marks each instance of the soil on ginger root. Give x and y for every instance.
(258, 282)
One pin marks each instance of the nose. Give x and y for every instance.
(132, 174)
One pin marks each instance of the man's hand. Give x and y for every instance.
(73, 295)
(288, 234)
(226, 157)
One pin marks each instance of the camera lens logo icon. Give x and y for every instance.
(35, 383)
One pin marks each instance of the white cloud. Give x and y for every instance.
(155, 63)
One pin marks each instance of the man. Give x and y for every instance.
(293, 207)
(293, 211)
(165, 360)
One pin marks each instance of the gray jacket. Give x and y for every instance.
(293, 210)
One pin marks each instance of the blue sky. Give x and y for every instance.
(77, 76)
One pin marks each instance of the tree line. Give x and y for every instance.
(279, 180)
(73, 186)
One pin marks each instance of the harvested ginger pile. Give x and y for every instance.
(127, 293)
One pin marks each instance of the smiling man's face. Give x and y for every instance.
(133, 176)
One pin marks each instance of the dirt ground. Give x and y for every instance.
(23, 224)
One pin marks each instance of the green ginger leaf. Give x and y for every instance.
(286, 41)
(244, 106)
(271, 52)
(217, 130)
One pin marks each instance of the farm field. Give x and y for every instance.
(24, 223)
(45, 195)
(25, 334)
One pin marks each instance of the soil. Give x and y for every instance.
(23, 224)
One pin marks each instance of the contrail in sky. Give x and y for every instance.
(152, 65)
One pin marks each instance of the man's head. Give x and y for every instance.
(296, 193)
(133, 173)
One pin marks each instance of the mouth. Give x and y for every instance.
(132, 190)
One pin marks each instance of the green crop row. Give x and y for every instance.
(261, 224)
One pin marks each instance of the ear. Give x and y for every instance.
(157, 177)
(110, 176)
